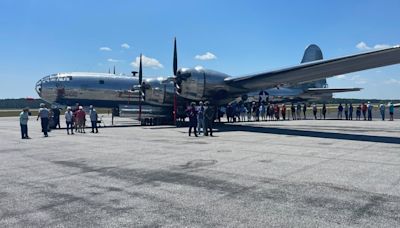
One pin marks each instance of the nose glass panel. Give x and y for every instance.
(38, 87)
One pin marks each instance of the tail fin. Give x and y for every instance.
(313, 53)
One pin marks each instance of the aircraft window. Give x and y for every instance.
(67, 78)
(101, 81)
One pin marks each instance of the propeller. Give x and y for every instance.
(175, 63)
(141, 83)
(175, 69)
(140, 70)
(141, 92)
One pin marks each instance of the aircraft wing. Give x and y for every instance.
(396, 105)
(315, 70)
(330, 90)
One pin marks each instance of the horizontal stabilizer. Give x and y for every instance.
(331, 90)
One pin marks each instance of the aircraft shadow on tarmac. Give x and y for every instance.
(306, 133)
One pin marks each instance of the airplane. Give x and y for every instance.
(196, 84)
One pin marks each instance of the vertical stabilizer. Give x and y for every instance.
(313, 53)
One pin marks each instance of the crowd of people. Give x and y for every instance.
(201, 117)
(366, 109)
(75, 120)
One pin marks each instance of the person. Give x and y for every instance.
(298, 108)
(248, 112)
(346, 111)
(391, 110)
(257, 110)
(304, 110)
(254, 109)
(93, 119)
(369, 108)
(283, 112)
(69, 119)
(80, 116)
(340, 111)
(50, 125)
(364, 110)
(192, 114)
(358, 112)
(314, 109)
(23, 122)
(200, 118)
(56, 117)
(43, 114)
(243, 113)
(293, 109)
(324, 110)
(209, 115)
(262, 111)
(276, 111)
(382, 109)
(75, 118)
(351, 109)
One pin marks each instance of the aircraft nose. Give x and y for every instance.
(38, 87)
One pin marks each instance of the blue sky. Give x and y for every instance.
(44, 37)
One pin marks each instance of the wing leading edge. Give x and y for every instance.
(318, 69)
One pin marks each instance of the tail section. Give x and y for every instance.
(313, 53)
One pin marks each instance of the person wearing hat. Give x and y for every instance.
(93, 118)
(69, 119)
(209, 116)
(43, 114)
(81, 115)
(23, 121)
(192, 114)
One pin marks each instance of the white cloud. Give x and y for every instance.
(125, 45)
(113, 60)
(342, 76)
(147, 62)
(392, 81)
(357, 79)
(105, 49)
(381, 46)
(363, 46)
(206, 56)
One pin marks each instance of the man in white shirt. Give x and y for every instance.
(69, 119)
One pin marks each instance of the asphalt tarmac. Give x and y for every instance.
(308, 173)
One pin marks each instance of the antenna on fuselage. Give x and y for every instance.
(114, 69)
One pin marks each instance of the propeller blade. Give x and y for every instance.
(140, 70)
(175, 64)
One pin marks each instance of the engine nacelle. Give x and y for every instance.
(198, 83)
